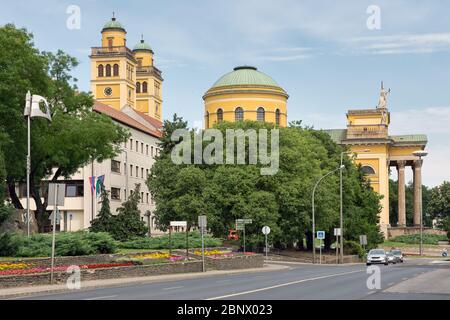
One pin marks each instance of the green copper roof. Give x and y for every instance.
(410, 138)
(113, 24)
(142, 46)
(245, 75)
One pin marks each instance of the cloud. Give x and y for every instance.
(427, 120)
(401, 44)
(286, 54)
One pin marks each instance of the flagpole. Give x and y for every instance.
(30, 98)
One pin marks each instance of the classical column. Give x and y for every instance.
(417, 191)
(401, 193)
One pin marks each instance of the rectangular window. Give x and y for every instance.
(142, 173)
(146, 149)
(115, 194)
(74, 189)
(131, 144)
(137, 146)
(146, 177)
(142, 148)
(110, 42)
(152, 151)
(115, 166)
(131, 170)
(147, 197)
(125, 168)
(142, 197)
(137, 172)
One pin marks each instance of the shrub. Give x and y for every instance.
(415, 238)
(178, 242)
(353, 247)
(67, 244)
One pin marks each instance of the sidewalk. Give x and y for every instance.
(11, 293)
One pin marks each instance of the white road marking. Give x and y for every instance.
(371, 292)
(101, 298)
(173, 288)
(284, 285)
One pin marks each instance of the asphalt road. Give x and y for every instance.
(414, 279)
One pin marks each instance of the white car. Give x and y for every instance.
(377, 256)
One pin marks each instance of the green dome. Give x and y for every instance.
(142, 46)
(245, 75)
(113, 24)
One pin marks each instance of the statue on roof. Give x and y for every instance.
(382, 101)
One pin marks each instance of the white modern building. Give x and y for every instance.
(121, 174)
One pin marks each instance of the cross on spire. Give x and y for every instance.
(114, 16)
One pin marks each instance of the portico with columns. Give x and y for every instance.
(367, 136)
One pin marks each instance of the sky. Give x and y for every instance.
(330, 56)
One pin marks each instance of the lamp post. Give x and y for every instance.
(313, 211)
(421, 154)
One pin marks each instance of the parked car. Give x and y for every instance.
(391, 257)
(377, 256)
(398, 254)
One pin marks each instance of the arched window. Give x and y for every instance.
(277, 117)
(261, 114)
(144, 87)
(219, 115)
(367, 170)
(239, 114)
(116, 70)
(108, 70)
(207, 120)
(138, 87)
(101, 70)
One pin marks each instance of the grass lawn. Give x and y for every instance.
(406, 245)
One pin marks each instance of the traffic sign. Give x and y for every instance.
(337, 231)
(321, 235)
(266, 230)
(60, 194)
(178, 224)
(363, 240)
(202, 221)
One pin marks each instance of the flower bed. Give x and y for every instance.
(62, 268)
(14, 266)
(218, 254)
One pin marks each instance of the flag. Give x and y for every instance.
(92, 181)
(32, 108)
(99, 186)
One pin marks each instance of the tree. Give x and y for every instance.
(283, 201)
(76, 136)
(104, 220)
(128, 224)
(439, 205)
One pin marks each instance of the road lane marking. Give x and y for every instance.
(284, 285)
(173, 288)
(101, 298)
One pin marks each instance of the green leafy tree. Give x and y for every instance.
(76, 135)
(439, 206)
(283, 201)
(104, 220)
(128, 224)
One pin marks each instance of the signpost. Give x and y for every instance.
(56, 195)
(182, 224)
(240, 225)
(320, 236)
(337, 233)
(266, 231)
(202, 223)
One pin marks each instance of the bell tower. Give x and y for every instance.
(113, 68)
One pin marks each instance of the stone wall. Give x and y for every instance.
(400, 231)
(245, 262)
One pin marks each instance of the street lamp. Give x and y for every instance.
(421, 154)
(313, 210)
(342, 167)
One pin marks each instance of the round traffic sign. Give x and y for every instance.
(266, 230)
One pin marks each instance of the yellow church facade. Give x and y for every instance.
(123, 77)
(248, 94)
(367, 138)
